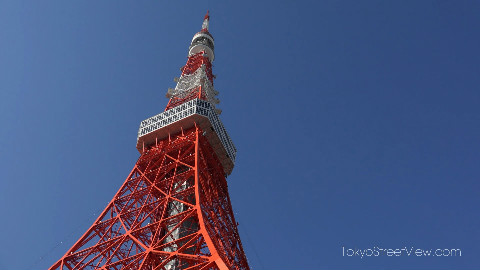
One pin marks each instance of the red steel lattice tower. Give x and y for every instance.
(173, 211)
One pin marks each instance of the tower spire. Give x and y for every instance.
(205, 22)
(196, 80)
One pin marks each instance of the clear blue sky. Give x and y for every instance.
(357, 123)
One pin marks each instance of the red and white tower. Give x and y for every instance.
(173, 211)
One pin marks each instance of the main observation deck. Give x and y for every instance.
(185, 116)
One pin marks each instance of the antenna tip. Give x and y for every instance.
(207, 16)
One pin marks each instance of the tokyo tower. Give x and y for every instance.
(173, 211)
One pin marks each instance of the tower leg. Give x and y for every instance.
(172, 212)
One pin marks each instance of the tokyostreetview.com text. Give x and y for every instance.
(401, 252)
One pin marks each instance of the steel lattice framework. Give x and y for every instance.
(173, 210)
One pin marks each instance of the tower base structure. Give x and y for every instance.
(172, 212)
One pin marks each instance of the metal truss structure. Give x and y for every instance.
(173, 210)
